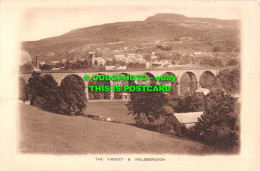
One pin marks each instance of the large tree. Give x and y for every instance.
(42, 91)
(219, 125)
(149, 105)
(68, 98)
(72, 96)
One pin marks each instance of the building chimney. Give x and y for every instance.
(93, 57)
(37, 65)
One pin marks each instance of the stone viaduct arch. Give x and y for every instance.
(208, 80)
(191, 84)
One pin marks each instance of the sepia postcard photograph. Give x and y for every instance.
(129, 85)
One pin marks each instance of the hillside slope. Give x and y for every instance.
(135, 33)
(45, 132)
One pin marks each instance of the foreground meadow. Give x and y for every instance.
(45, 132)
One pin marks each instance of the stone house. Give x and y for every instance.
(179, 121)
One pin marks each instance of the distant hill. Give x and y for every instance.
(157, 27)
(182, 19)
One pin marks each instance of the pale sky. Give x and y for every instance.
(39, 23)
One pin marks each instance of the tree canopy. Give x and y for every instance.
(72, 95)
(42, 91)
(149, 104)
(219, 125)
(68, 98)
(229, 80)
(192, 103)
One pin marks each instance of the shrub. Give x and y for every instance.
(157, 125)
(169, 126)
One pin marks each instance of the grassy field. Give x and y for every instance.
(45, 132)
(116, 110)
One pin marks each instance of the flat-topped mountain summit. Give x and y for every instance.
(182, 18)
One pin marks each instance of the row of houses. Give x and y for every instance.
(129, 58)
(63, 61)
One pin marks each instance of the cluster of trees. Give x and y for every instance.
(218, 126)
(153, 105)
(229, 80)
(46, 67)
(77, 65)
(133, 65)
(192, 103)
(87, 64)
(115, 62)
(136, 65)
(227, 46)
(43, 91)
(232, 62)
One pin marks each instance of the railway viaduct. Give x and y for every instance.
(195, 73)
